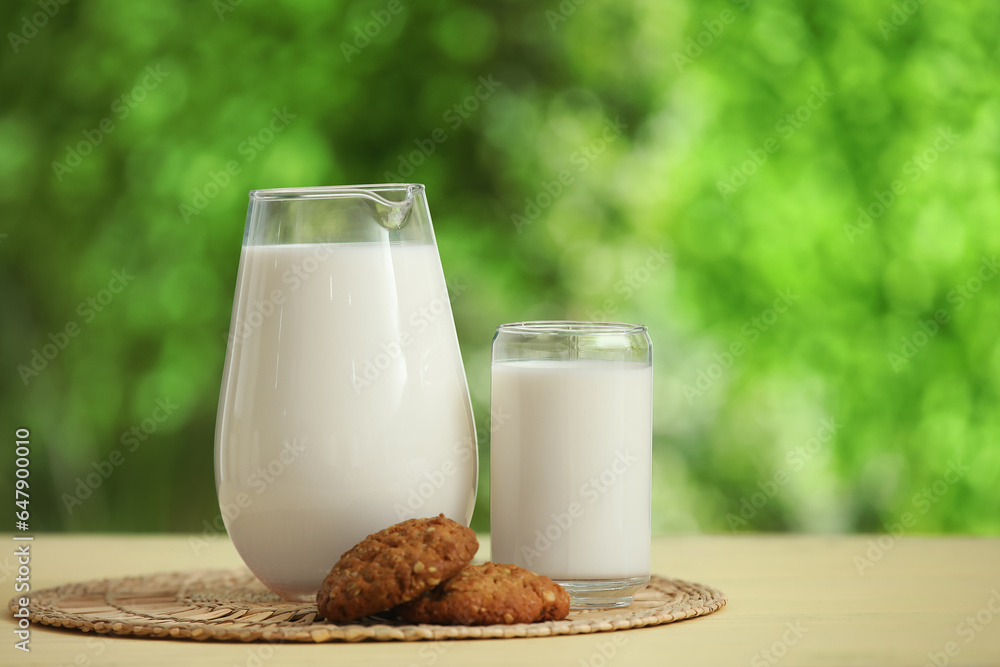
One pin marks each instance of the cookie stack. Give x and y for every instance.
(420, 569)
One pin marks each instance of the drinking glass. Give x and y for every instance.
(344, 405)
(570, 451)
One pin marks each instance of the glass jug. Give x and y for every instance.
(344, 406)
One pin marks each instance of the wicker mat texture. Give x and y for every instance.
(233, 605)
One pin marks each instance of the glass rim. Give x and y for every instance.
(371, 190)
(572, 328)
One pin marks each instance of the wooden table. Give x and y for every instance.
(793, 600)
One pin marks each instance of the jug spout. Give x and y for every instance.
(393, 214)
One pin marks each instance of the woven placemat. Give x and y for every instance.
(234, 605)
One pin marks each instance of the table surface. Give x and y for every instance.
(793, 600)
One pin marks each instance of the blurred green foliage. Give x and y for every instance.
(742, 138)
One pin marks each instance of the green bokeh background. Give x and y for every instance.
(722, 163)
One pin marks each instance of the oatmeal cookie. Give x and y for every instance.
(394, 566)
(487, 594)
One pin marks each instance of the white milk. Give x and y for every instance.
(571, 467)
(344, 407)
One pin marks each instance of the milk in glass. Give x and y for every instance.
(571, 466)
